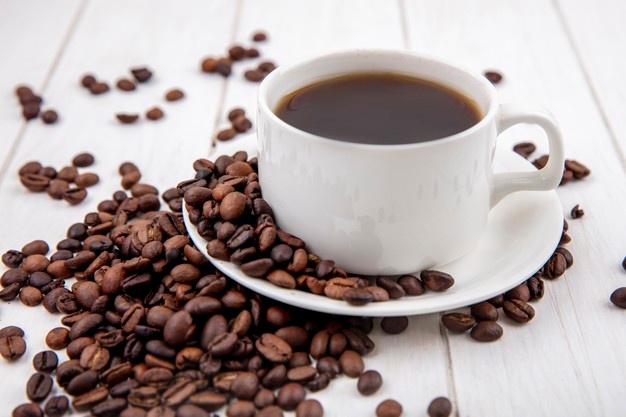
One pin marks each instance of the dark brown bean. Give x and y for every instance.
(484, 311)
(12, 347)
(56, 406)
(436, 280)
(174, 94)
(154, 113)
(618, 297)
(486, 331)
(351, 363)
(38, 387)
(310, 408)
(389, 408)
(27, 410)
(577, 212)
(394, 325)
(290, 395)
(369, 382)
(458, 322)
(440, 407)
(494, 77)
(141, 74)
(521, 292)
(273, 348)
(518, 310)
(127, 118)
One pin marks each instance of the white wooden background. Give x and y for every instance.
(568, 55)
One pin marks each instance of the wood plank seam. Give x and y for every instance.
(224, 88)
(449, 368)
(592, 89)
(15, 144)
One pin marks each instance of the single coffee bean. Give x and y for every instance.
(127, 118)
(494, 77)
(525, 149)
(579, 170)
(270, 411)
(56, 406)
(458, 322)
(351, 364)
(521, 292)
(9, 292)
(358, 296)
(440, 407)
(49, 116)
(38, 387)
(241, 408)
(87, 179)
(98, 87)
(555, 267)
(310, 408)
(569, 259)
(618, 297)
(89, 399)
(30, 110)
(12, 258)
(75, 196)
(27, 410)
(245, 386)
(35, 247)
(125, 84)
(226, 134)
(436, 280)
(290, 395)
(497, 301)
(486, 331)
(58, 338)
(174, 94)
(154, 113)
(394, 325)
(14, 276)
(45, 361)
(369, 382)
(273, 348)
(87, 80)
(484, 311)
(35, 182)
(178, 328)
(12, 347)
(535, 287)
(57, 188)
(577, 212)
(394, 289)
(389, 408)
(518, 310)
(11, 331)
(141, 74)
(267, 66)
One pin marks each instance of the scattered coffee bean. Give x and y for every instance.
(45, 361)
(49, 116)
(310, 408)
(154, 113)
(555, 267)
(577, 212)
(259, 36)
(484, 311)
(88, 179)
(494, 77)
(458, 322)
(11, 331)
(58, 338)
(290, 395)
(75, 195)
(525, 149)
(226, 134)
(518, 310)
(394, 325)
(125, 84)
(87, 80)
(486, 331)
(389, 408)
(174, 94)
(12, 347)
(127, 118)
(436, 280)
(38, 387)
(351, 363)
(369, 382)
(27, 410)
(440, 407)
(56, 406)
(96, 88)
(141, 74)
(12, 258)
(254, 75)
(618, 297)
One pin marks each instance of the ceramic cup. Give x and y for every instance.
(391, 209)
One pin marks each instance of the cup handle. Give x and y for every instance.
(544, 179)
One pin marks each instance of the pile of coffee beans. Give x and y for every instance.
(151, 325)
(225, 203)
(58, 184)
(572, 170)
(31, 105)
(239, 123)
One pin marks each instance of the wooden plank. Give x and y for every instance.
(567, 362)
(598, 35)
(32, 37)
(112, 36)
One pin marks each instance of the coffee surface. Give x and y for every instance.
(378, 108)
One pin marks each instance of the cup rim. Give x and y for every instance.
(275, 76)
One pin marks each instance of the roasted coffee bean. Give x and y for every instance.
(270, 411)
(226, 134)
(88, 179)
(12, 258)
(109, 408)
(245, 386)
(389, 408)
(75, 196)
(58, 338)
(174, 94)
(141, 74)
(241, 124)
(82, 383)
(518, 310)
(45, 361)
(254, 75)
(56, 406)
(458, 322)
(85, 325)
(394, 325)
(521, 292)
(38, 387)
(290, 395)
(12, 347)
(154, 113)
(524, 149)
(394, 289)
(618, 297)
(9, 292)
(57, 188)
(36, 262)
(369, 382)
(178, 328)
(486, 331)
(127, 118)
(14, 276)
(569, 259)
(310, 408)
(328, 365)
(27, 410)
(89, 399)
(267, 66)
(236, 52)
(35, 182)
(35, 247)
(577, 212)
(358, 340)
(484, 311)
(351, 364)
(49, 116)
(94, 357)
(579, 170)
(190, 410)
(535, 287)
(295, 336)
(97, 88)
(436, 280)
(264, 398)
(87, 80)
(440, 407)
(555, 267)
(358, 296)
(494, 77)
(125, 84)
(281, 279)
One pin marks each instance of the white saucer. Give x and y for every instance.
(522, 232)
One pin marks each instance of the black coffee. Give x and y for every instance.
(378, 108)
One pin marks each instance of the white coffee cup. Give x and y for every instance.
(391, 209)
